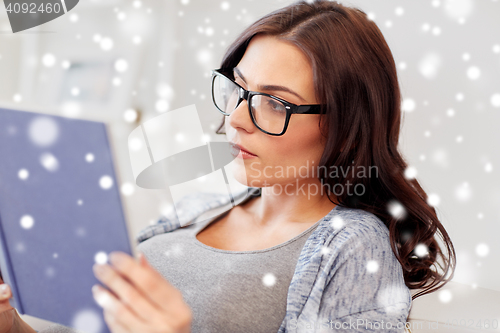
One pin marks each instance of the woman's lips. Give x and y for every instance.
(238, 151)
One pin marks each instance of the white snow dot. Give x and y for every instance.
(17, 98)
(55, 255)
(480, 215)
(495, 100)
(23, 174)
(459, 97)
(402, 65)
(128, 189)
(337, 222)
(79, 202)
(436, 31)
(137, 39)
(116, 81)
(164, 91)
(20, 247)
(179, 137)
(436, 3)
(88, 320)
(49, 162)
(465, 56)
(482, 250)
(184, 2)
(27, 222)
(48, 60)
(421, 250)
(65, 64)
(205, 138)
(106, 182)
(429, 65)
(408, 105)
(161, 105)
(81, 232)
(104, 300)
(73, 17)
(101, 258)
(325, 250)
(426, 27)
(121, 16)
(388, 23)
(121, 65)
(473, 73)
(130, 115)
(399, 11)
(396, 209)
(43, 131)
(488, 167)
(496, 48)
(96, 38)
(89, 157)
(50, 272)
(224, 5)
(458, 9)
(269, 280)
(460, 138)
(427, 134)
(209, 31)
(422, 157)
(445, 296)
(135, 144)
(75, 91)
(137, 4)
(204, 56)
(106, 43)
(372, 266)
(450, 112)
(410, 172)
(371, 16)
(433, 199)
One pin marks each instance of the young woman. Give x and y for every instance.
(326, 239)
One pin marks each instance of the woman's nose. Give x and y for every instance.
(240, 117)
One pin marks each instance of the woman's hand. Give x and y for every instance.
(141, 300)
(10, 322)
(6, 310)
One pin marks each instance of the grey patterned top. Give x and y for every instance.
(346, 279)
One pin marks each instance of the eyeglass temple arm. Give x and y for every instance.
(308, 109)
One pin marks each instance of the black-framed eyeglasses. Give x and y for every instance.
(269, 113)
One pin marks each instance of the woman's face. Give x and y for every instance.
(270, 61)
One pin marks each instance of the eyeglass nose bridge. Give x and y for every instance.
(242, 95)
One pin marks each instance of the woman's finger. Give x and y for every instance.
(5, 294)
(146, 279)
(119, 314)
(113, 325)
(128, 294)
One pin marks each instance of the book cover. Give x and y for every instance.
(60, 212)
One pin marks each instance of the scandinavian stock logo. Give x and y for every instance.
(31, 13)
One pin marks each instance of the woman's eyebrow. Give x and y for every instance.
(268, 87)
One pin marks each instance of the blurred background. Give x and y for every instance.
(126, 61)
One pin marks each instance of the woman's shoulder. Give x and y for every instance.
(346, 222)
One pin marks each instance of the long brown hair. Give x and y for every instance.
(355, 78)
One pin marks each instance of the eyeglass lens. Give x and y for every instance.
(269, 113)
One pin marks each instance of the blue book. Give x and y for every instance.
(60, 212)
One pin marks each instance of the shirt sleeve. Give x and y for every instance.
(365, 289)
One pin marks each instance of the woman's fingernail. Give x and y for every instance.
(4, 291)
(102, 298)
(99, 269)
